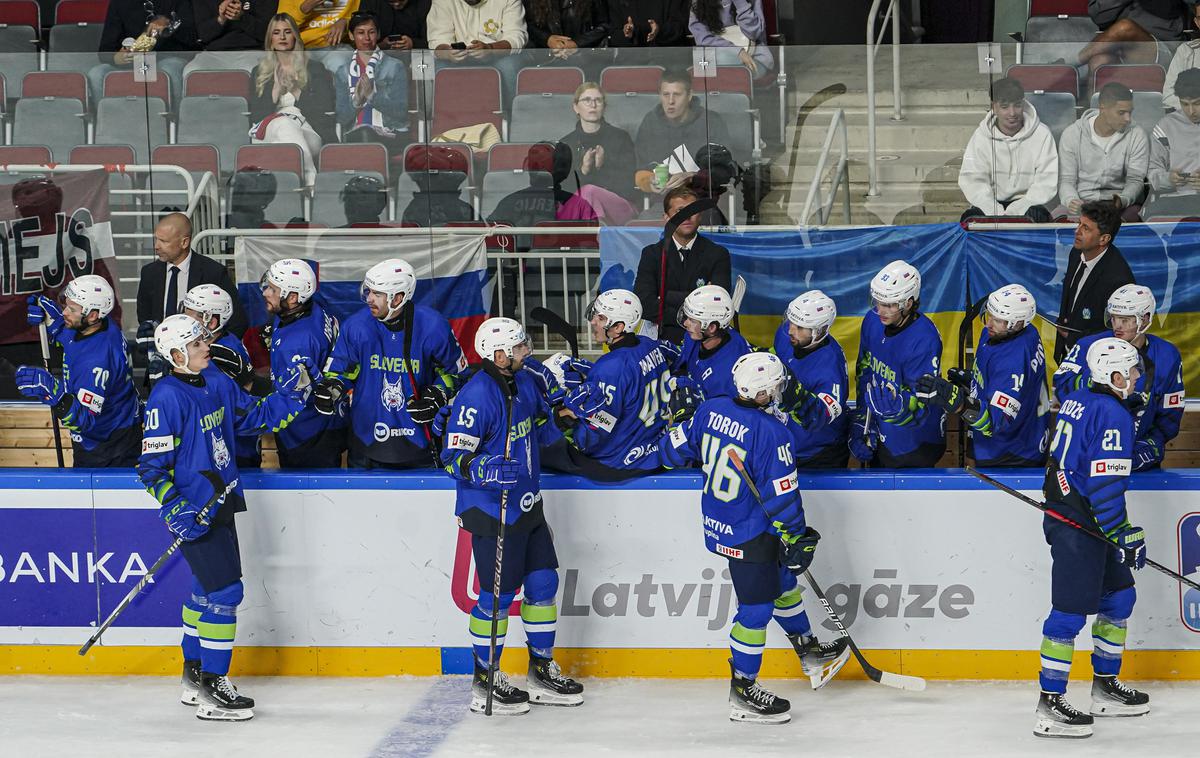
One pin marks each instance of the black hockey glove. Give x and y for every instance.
(424, 409)
(681, 406)
(959, 376)
(327, 394)
(798, 551)
(231, 364)
(934, 390)
(145, 336)
(265, 333)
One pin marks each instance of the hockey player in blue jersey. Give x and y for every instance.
(1004, 401)
(401, 360)
(190, 414)
(710, 347)
(213, 307)
(767, 544)
(95, 400)
(497, 425)
(1129, 315)
(302, 330)
(819, 384)
(1090, 464)
(892, 427)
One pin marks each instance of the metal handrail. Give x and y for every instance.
(893, 12)
(841, 174)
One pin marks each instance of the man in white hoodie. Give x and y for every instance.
(1175, 154)
(1103, 157)
(1010, 167)
(1186, 56)
(479, 33)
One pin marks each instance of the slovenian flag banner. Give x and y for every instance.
(451, 273)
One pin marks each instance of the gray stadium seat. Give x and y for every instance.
(56, 122)
(1147, 109)
(406, 188)
(327, 204)
(1049, 38)
(1055, 109)
(628, 110)
(72, 47)
(122, 121)
(18, 56)
(734, 108)
(498, 185)
(540, 117)
(222, 121)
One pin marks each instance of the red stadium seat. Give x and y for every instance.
(271, 157)
(194, 158)
(104, 155)
(1058, 7)
(514, 156)
(222, 83)
(21, 13)
(442, 156)
(122, 84)
(727, 79)
(549, 81)
(80, 11)
(354, 157)
(1137, 77)
(1046, 78)
(55, 84)
(31, 155)
(622, 79)
(465, 97)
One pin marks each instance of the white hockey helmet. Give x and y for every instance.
(92, 292)
(390, 277)
(617, 305)
(706, 304)
(291, 275)
(813, 310)
(1132, 300)
(210, 300)
(500, 333)
(896, 283)
(1012, 304)
(1111, 355)
(175, 333)
(759, 372)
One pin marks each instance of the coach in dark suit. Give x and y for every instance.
(1095, 269)
(690, 261)
(165, 281)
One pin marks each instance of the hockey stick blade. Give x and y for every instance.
(902, 681)
(739, 292)
(558, 325)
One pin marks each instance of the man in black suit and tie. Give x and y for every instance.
(1095, 269)
(689, 261)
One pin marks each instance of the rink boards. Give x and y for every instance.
(368, 574)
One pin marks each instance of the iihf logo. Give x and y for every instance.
(1189, 566)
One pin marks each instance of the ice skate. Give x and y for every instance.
(749, 701)
(219, 701)
(507, 700)
(548, 686)
(1112, 697)
(190, 681)
(820, 661)
(1058, 718)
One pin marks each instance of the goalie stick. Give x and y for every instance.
(220, 490)
(739, 292)
(898, 681)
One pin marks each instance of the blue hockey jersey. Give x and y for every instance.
(735, 524)
(1093, 447)
(1009, 382)
(308, 339)
(477, 427)
(895, 362)
(633, 379)
(1161, 386)
(244, 444)
(369, 359)
(712, 370)
(821, 372)
(188, 424)
(99, 379)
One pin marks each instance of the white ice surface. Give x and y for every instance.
(411, 717)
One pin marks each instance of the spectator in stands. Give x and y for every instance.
(1131, 30)
(688, 259)
(322, 23)
(601, 150)
(401, 22)
(166, 27)
(1010, 167)
(292, 99)
(1095, 269)
(479, 33)
(1103, 157)
(738, 31)
(1186, 56)
(1175, 154)
(372, 90)
(364, 199)
(232, 33)
(673, 132)
(646, 23)
(564, 26)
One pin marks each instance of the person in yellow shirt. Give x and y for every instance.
(322, 23)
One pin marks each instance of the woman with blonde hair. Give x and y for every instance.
(292, 100)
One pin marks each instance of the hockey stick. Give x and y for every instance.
(739, 292)
(494, 664)
(1075, 524)
(412, 380)
(58, 448)
(558, 325)
(220, 490)
(899, 681)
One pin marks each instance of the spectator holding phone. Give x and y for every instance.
(401, 23)
(232, 33)
(1175, 154)
(479, 33)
